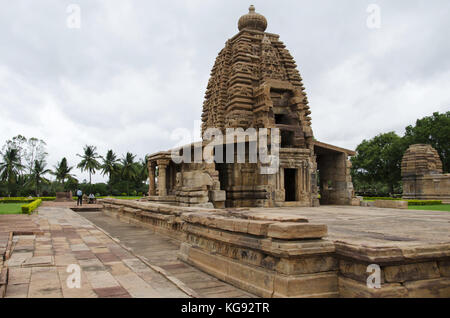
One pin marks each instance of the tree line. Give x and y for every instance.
(376, 169)
(24, 171)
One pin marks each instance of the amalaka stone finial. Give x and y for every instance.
(252, 20)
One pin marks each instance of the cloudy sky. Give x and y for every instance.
(136, 71)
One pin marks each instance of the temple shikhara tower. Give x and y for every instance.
(255, 84)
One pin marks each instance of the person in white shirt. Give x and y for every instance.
(80, 197)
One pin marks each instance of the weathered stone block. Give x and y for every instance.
(444, 268)
(309, 285)
(432, 288)
(349, 288)
(290, 231)
(411, 272)
(217, 195)
(258, 228)
(306, 265)
(354, 270)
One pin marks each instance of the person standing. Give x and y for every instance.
(80, 197)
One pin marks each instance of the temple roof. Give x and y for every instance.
(251, 65)
(421, 159)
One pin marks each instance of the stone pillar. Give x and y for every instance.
(151, 178)
(298, 185)
(162, 177)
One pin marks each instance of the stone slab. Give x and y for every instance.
(391, 204)
(293, 231)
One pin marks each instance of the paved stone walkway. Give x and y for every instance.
(72, 205)
(162, 252)
(38, 263)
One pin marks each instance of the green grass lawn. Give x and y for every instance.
(441, 207)
(11, 208)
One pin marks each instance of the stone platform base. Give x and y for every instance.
(283, 255)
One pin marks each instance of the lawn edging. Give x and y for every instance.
(30, 207)
(410, 201)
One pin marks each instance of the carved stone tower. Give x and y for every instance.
(255, 84)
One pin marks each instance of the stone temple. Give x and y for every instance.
(255, 84)
(422, 174)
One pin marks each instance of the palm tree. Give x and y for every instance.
(37, 175)
(10, 167)
(110, 166)
(128, 169)
(142, 169)
(89, 162)
(62, 171)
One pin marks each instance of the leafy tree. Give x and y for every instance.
(62, 171)
(129, 171)
(34, 151)
(18, 142)
(379, 160)
(435, 131)
(10, 167)
(89, 161)
(30, 150)
(36, 178)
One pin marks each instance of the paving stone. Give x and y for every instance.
(101, 279)
(137, 265)
(116, 291)
(79, 247)
(39, 261)
(101, 249)
(65, 260)
(91, 265)
(84, 255)
(44, 283)
(85, 290)
(17, 259)
(136, 286)
(17, 291)
(107, 257)
(18, 276)
(117, 268)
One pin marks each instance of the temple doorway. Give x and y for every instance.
(290, 176)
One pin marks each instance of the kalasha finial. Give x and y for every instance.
(252, 20)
